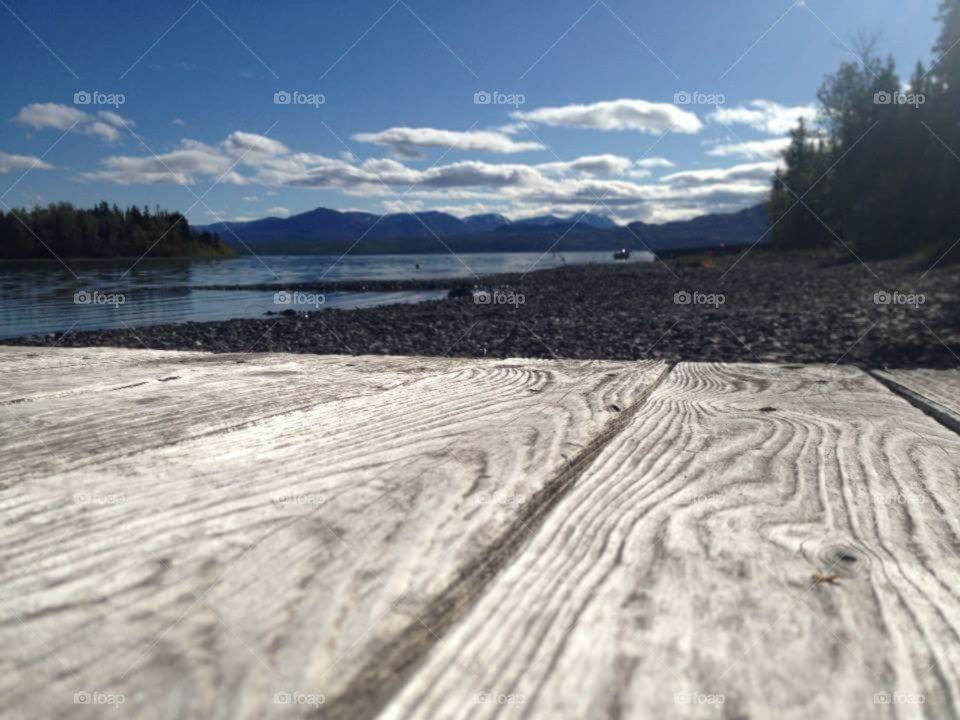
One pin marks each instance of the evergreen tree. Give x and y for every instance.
(102, 232)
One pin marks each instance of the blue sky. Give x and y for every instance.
(599, 128)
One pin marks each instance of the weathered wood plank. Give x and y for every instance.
(14, 358)
(67, 417)
(936, 392)
(388, 534)
(683, 562)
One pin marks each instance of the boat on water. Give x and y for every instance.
(621, 254)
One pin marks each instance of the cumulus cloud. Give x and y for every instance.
(240, 144)
(644, 168)
(765, 116)
(620, 115)
(590, 165)
(654, 162)
(479, 174)
(755, 149)
(760, 172)
(49, 115)
(102, 130)
(193, 159)
(114, 119)
(514, 189)
(182, 166)
(409, 142)
(104, 124)
(9, 163)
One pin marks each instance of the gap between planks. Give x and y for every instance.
(386, 673)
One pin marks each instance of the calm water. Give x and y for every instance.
(39, 297)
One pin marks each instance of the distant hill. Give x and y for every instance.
(588, 219)
(485, 223)
(325, 231)
(739, 228)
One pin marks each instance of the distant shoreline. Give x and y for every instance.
(354, 252)
(770, 310)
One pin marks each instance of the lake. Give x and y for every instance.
(42, 297)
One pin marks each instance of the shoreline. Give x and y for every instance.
(778, 310)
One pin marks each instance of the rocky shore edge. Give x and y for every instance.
(891, 314)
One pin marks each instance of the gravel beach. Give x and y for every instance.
(763, 309)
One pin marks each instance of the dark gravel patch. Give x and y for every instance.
(774, 310)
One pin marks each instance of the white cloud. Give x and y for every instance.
(49, 115)
(8, 163)
(114, 119)
(513, 189)
(765, 116)
(654, 162)
(621, 115)
(755, 149)
(242, 143)
(591, 165)
(643, 168)
(478, 174)
(407, 142)
(182, 165)
(278, 212)
(41, 116)
(102, 130)
(178, 121)
(251, 198)
(760, 172)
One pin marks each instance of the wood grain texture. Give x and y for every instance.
(936, 392)
(683, 561)
(205, 588)
(68, 414)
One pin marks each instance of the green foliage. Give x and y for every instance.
(884, 176)
(102, 232)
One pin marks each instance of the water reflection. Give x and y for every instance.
(39, 297)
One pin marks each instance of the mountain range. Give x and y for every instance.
(326, 231)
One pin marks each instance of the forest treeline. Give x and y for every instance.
(880, 169)
(102, 232)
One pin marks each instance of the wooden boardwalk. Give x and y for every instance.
(449, 538)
